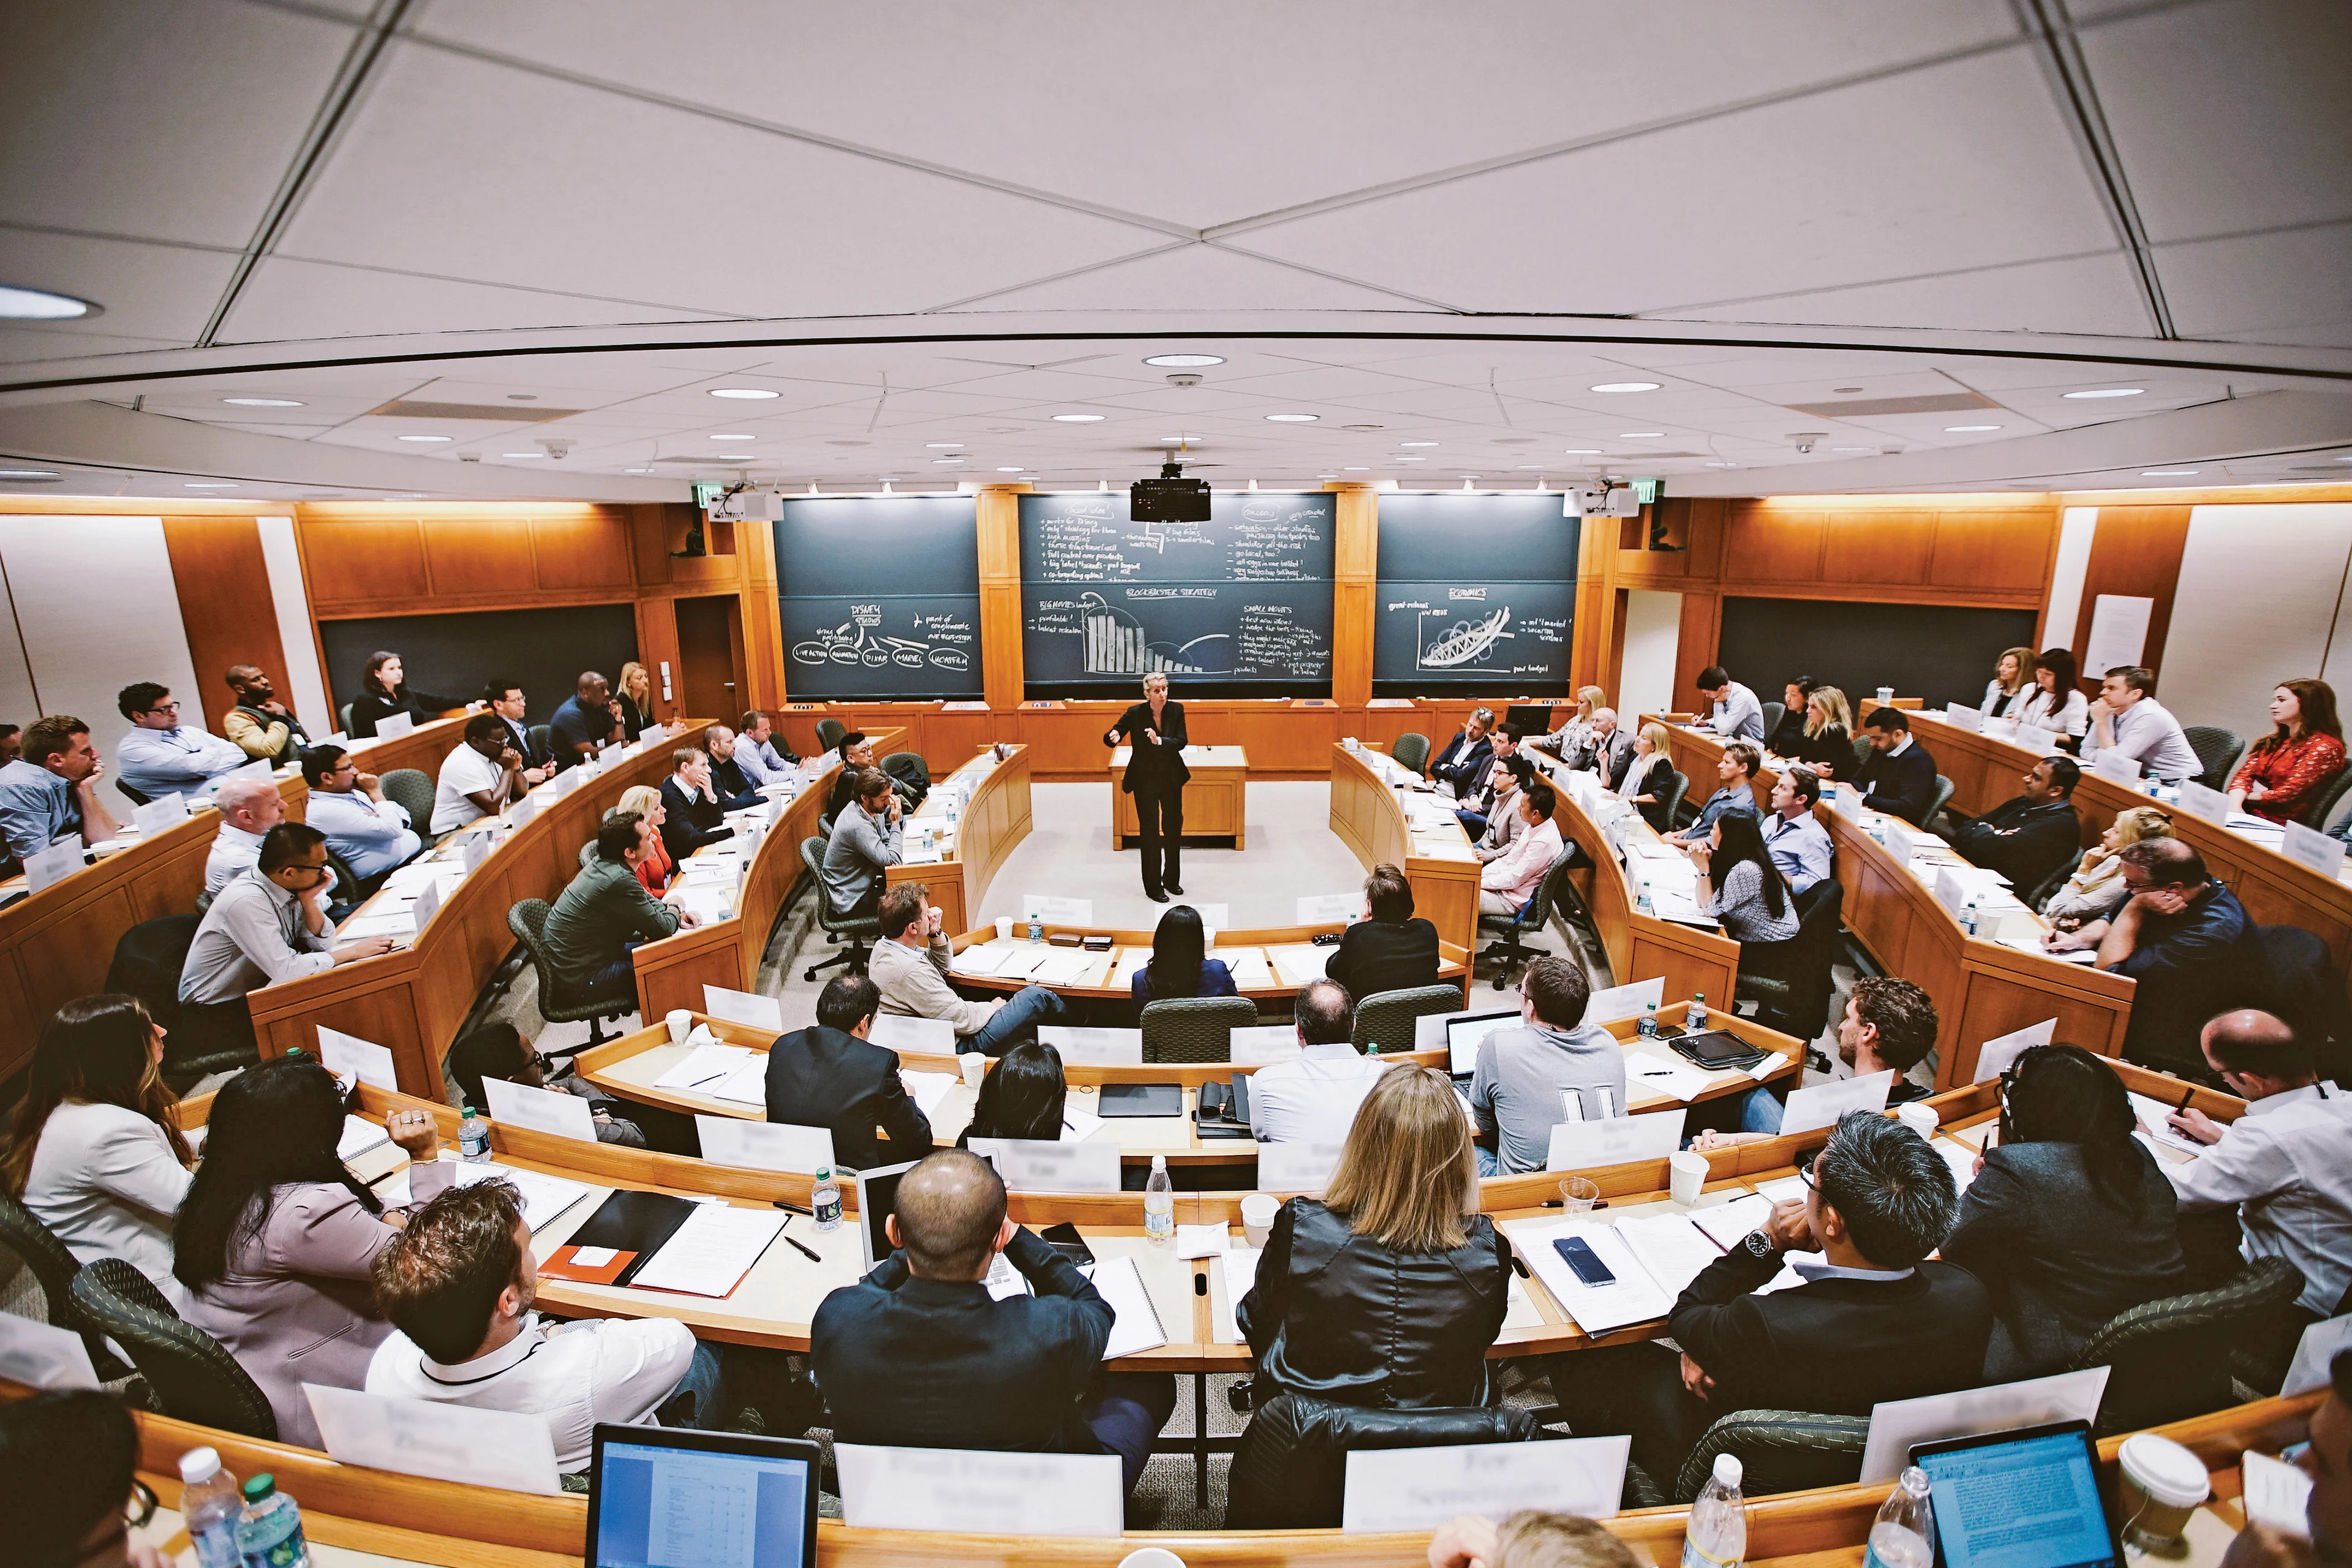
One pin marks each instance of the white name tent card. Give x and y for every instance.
(2313, 850)
(1055, 912)
(764, 1145)
(393, 724)
(1614, 1141)
(1897, 1425)
(1811, 1110)
(428, 898)
(522, 811)
(1994, 1056)
(52, 865)
(1420, 1489)
(475, 850)
(164, 811)
(979, 1490)
(924, 1037)
(41, 1355)
(1031, 1165)
(1617, 1003)
(1963, 716)
(1263, 1045)
(2198, 800)
(466, 1443)
(540, 1109)
(2115, 767)
(1328, 908)
(747, 1008)
(1297, 1167)
(1087, 1046)
(366, 1060)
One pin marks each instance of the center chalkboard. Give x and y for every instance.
(1242, 601)
(1476, 591)
(880, 596)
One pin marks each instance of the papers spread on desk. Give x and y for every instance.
(1078, 1123)
(1782, 1189)
(545, 1197)
(1201, 1240)
(1633, 1298)
(747, 1085)
(395, 922)
(1728, 1225)
(2156, 1120)
(2032, 944)
(1961, 1157)
(1137, 1326)
(928, 1089)
(358, 1136)
(710, 1253)
(1670, 1247)
(1062, 965)
(982, 958)
(1647, 1074)
(412, 877)
(1251, 970)
(705, 1065)
(1300, 962)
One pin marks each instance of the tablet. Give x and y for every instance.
(665, 1497)
(878, 1195)
(2022, 1498)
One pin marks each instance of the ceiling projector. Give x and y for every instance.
(1171, 498)
(1604, 501)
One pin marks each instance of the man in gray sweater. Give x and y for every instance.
(910, 968)
(596, 924)
(865, 838)
(1515, 1091)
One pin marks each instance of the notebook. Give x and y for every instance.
(619, 1238)
(1137, 1327)
(1140, 1100)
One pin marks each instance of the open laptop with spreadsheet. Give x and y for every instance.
(665, 1497)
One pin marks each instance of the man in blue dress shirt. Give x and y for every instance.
(51, 788)
(373, 834)
(161, 756)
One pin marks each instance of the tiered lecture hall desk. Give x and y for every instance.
(1378, 813)
(1216, 797)
(57, 944)
(356, 1509)
(1984, 986)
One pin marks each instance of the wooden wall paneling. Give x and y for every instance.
(365, 560)
(1598, 644)
(1355, 570)
(657, 645)
(762, 618)
(468, 556)
(1892, 547)
(2010, 550)
(223, 583)
(355, 560)
(710, 681)
(581, 550)
(1769, 543)
(2135, 551)
(997, 518)
(1705, 535)
(1702, 630)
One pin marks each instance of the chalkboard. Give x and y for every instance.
(1939, 653)
(1475, 593)
(880, 596)
(1235, 606)
(543, 651)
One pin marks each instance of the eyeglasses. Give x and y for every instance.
(1805, 1175)
(164, 708)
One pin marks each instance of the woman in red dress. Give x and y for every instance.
(2288, 767)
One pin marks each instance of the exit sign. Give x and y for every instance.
(709, 494)
(1645, 490)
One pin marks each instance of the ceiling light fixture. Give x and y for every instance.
(1469, 481)
(1626, 386)
(1184, 361)
(636, 470)
(1723, 465)
(813, 489)
(1582, 451)
(1416, 443)
(428, 439)
(1078, 418)
(1410, 459)
(1358, 467)
(1852, 448)
(522, 454)
(1968, 429)
(1010, 470)
(2166, 473)
(2106, 392)
(939, 445)
(1640, 434)
(1845, 389)
(1293, 418)
(734, 437)
(1327, 476)
(746, 392)
(886, 488)
(27, 473)
(21, 304)
(947, 459)
(212, 484)
(261, 402)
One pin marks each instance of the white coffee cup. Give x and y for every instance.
(1921, 1119)
(1208, 936)
(1004, 928)
(1687, 1174)
(1258, 1210)
(974, 1066)
(2161, 1483)
(1151, 1557)
(1885, 695)
(681, 1024)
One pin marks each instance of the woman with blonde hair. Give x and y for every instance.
(635, 692)
(1571, 737)
(1828, 745)
(657, 869)
(2012, 683)
(2096, 885)
(1645, 775)
(1387, 1291)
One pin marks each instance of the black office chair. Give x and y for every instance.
(829, 732)
(55, 1265)
(190, 1373)
(558, 1003)
(1384, 1020)
(2305, 991)
(2218, 751)
(861, 929)
(413, 788)
(2323, 799)
(1773, 713)
(2171, 1359)
(1779, 1451)
(2041, 892)
(1194, 1028)
(1290, 1468)
(200, 1037)
(909, 776)
(1670, 789)
(1790, 982)
(1411, 749)
(537, 735)
(1510, 954)
(133, 795)
(1937, 802)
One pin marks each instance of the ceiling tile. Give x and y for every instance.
(21, 343)
(2095, 295)
(2251, 286)
(288, 299)
(1194, 278)
(143, 290)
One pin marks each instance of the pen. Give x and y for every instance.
(795, 1208)
(2185, 1098)
(714, 1078)
(796, 1245)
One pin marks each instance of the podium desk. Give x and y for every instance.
(1215, 796)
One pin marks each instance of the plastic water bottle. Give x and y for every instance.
(1694, 1015)
(473, 1137)
(1648, 1027)
(826, 1199)
(1905, 1530)
(271, 1533)
(210, 1506)
(1968, 918)
(1036, 929)
(1716, 1536)
(1158, 1203)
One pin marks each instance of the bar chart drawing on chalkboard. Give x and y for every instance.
(1459, 642)
(1116, 645)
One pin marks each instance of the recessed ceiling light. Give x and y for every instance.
(947, 459)
(1360, 468)
(2108, 392)
(2165, 473)
(27, 473)
(743, 392)
(212, 484)
(522, 397)
(1363, 426)
(942, 444)
(1582, 451)
(734, 437)
(261, 402)
(428, 438)
(1967, 429)
(734, 457)
(1012, 470)
(1183, 361)
(1639, 435)
(1327, 476)
(1412, 460)
(1626, 386)
(1723, 465)
(521, 454)
(1527, 466)
(1078, 418)
(1854, 448)
(1416, 443)
(40, 305)
(1294, 418)
(636, 470)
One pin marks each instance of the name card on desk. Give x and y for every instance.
(1297, 1167)
(1094, 1048)
(1614, 1141)
(1962, 716)
(924, 1037)
(976, 1490)
(1897, 1425)
(764, 1145)
(1898, 842)
(41, 1355)
(52, 865)
(2313, 850)
(1420, 1489)
(1994, 1056)
(2113, 765)
(164, 812)
(745, 1008)
(2211, 804)
(464, 1443)
(522, 810)
(1846, 800)
(393, 724)
(1617, 1003)
(1033, 1165)
(1263, 1045)
(540, 1109)
(475, 850)
(1811, 1110)
(362, 1060)
(428, 898)
(1330, 909)
(1057, 911)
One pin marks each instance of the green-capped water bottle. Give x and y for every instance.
(271, 1533)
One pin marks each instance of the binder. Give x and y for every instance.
(625, 1231)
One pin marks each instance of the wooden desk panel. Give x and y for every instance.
(424, 748)
(1366, 815)
(1216, 796)
(992, 823)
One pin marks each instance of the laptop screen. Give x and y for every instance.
(877, 1196)
(1462, 1035)
(2019, 1499)
(679, 1499)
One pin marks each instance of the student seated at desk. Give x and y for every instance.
(2012, 684)
(1872, 1322)
(509, 705)
(159, 755)
(659, 866)
(1733, 712)
(2096, 885)
(1506, 882)
(1799, 846)
(856, 754)
(1826, 743)
(729, 782)
(634, 694)
(1887, 1023)
(1464, 758)
(2326, 1536)
(1577, 729)
(1738, 885)
(1313, 1098)
(592, 931)
(259, 725)
(867, 839)
(582, 722)
(495, 1049)
(1500, 821)
(1515, 1089)
(92, 1149)
(2128, 721)
(481, 776)
(1180, 965)
(2286, 769)
(1644, 785)
(1389, 1288)
(249, 809)
(2069, 1221)
(1024, 1095)
(270, 925)
(1493, 788)
(1734, 773)
(2056, 704)
(50, 788)
(910, 966)
(459, 1284)
(276, 1238)
(2188, 942)
(1607, 751)
(829, 1076)
(68, 1460)
(692, 812)
(1899, 776)
(384, 691)
(371, 835)
(917, 1353)
(1795, 705)
(2029, 836)
(758, 753)
(1390, 949)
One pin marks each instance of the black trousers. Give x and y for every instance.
(1159, 817)
(1638, 1390)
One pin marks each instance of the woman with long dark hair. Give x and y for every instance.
(2056, 703)
(1022, 1097)
(1739, 884)
(93, 1151)
(2287, 768)
(1179, 964)
(276, 1236)
(384, 690)
(2069, 1221)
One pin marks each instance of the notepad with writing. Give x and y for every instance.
(1137, 1326)
(615, 1241)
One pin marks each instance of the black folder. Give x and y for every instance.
(1140, 1100)
(629, 1222)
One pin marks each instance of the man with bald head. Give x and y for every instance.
(582, 722)
(2286, 1164)
(249, 808)
(921, 1353)
(734, 787)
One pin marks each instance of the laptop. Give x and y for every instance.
(2023, 1499)
(1533, 719)
(1462, 1035)
(878, 1195)
(665, 1497)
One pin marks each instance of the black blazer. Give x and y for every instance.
(1789, 740)
(2043, 837)
(1385, 955)
(819, 1077)
(1832, 749)
(1344, 1318)
(518, 737)
(1157, 768)
(2060, 1258)
(927, 1364)
(1462, 768)
(689, 822)
(368, 707)
(1904, 787)
(1835, 1347)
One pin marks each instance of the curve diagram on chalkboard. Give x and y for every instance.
(1461, 642)
(1117, 644)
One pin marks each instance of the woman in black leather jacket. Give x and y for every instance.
(1388, 1290)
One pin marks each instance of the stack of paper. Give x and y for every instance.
(1671, 1248)
(545, 1197)
(1728, 1225)
(1250, 969)
(982, 958)
(1298, 962)
(2155, 1119)
(705, 1065)
(1632, 1298)
(747, 1085)
(710, 1253)
(928, 1089)
(360, 1136)
(1647, 1075)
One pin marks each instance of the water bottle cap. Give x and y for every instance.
(261, 1488)
(199, 1465)
(1160, 1162)
(1727, 1469)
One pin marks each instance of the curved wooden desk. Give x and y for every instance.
(991, 819)
(1370, 820)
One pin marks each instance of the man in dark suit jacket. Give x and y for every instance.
(830, 1077)
(1607, 749)
(2030, 836)
(1467, 759)
(1900, 776)
(918, 1354)
(1154, 730)
(736, 790)
(1872, 1322)
(1392, 949)
(506, 700)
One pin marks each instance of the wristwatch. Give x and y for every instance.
(1759, 1246)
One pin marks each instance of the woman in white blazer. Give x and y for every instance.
(93, 1152)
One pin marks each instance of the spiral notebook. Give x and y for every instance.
(1137, 1326)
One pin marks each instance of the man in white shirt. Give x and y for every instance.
(457, 1343)
(249, 808)
(1799, 846)
(1313, 1098)
(1736, 713)
(481, 778)
(2128, 721)
(2286, 1164)
(372, 834)
(757, 755)
(161, 756)
(270, 925)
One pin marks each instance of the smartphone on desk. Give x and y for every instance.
(1582, 1261)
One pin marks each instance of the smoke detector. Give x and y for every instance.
(554, 449)
(1184, 378)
